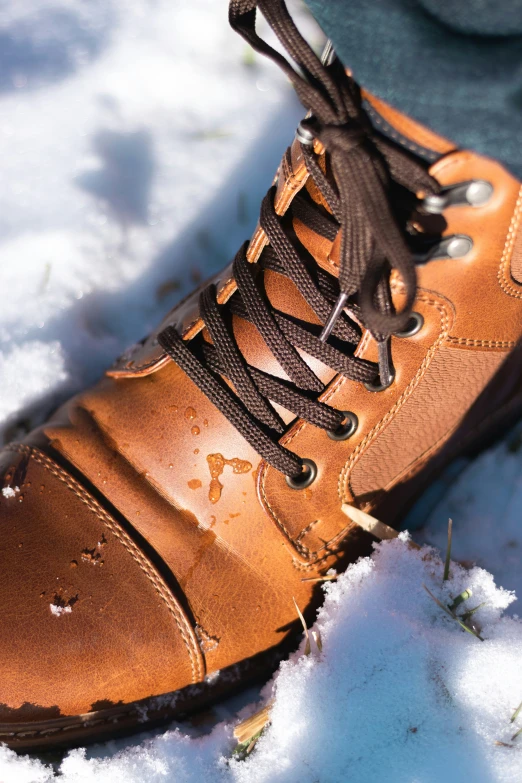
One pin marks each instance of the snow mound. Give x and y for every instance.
(399, 692)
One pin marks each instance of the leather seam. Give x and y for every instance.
(344, 482)
(125, 540)
(482, 343)
(306, 530)
(401, 138)
(313, 554)
(503, 280)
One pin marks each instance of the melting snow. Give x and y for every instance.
(136, 140)
(10, 492)
(59, 610)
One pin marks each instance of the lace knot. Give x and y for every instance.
(337, 138)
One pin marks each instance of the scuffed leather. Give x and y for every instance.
(123, 637)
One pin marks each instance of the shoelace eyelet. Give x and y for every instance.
(377, 385)
(307, 477)
(474, 193)
(345, 430)
(413, 326)
(304, 135)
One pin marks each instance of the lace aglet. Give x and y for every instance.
(332, 318)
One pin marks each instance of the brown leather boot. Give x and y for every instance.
(156, 531)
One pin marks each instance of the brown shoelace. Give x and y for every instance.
(364, 166)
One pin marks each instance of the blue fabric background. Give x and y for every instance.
(454, 65)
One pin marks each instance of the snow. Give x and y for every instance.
(10, 492)
(59, 610)
(136, 141)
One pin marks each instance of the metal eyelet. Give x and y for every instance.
(377, 385)
(455, 246)
(304, 135)
(479, 192)
(307, 477)
(473, 193)
(346, 429)
(414, 325)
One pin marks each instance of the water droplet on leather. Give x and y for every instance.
(194, 484)
(205, 422)
(195, 430)
(196, 451)
(171, 465)
(21, 499)
(190, 413)
(207, 642)
(73, 564)
(216, 466)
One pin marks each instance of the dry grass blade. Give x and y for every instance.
(308, 648)
(325, 578)
(244, 749)
(369, 523)
(448, 552)
(250, 727)
(516, 713)
(318, 640)
(516, 734)
(453, 616)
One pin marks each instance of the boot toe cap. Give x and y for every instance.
(87, 621)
